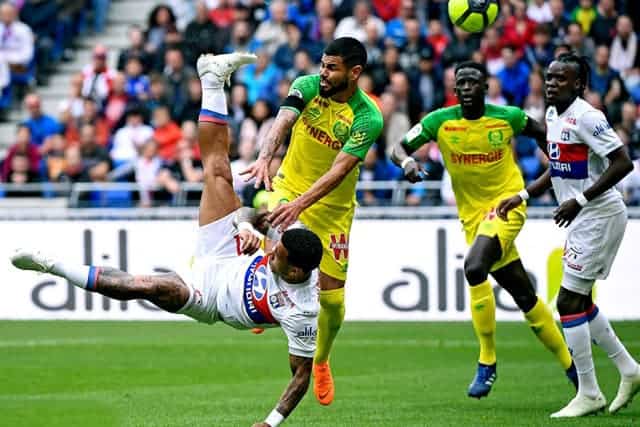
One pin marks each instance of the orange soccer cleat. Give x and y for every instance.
(257, 331)
(323, 383)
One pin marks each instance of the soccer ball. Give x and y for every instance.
(473, 15)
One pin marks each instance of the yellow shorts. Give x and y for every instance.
(331, 224)
(507, 232)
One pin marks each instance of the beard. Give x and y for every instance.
(326, 93)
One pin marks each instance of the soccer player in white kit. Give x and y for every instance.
(233, 280)
(586, 160)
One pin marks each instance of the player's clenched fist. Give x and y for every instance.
(249, 242)
(506, 205)
(413, 171)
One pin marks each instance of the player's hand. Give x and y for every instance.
(414, 172)
(566, 212)
(285, 215)
(249, 242)
(506, 205)
(260, 171)
(261, 221)
(263, 424)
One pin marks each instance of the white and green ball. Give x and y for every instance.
(473, 16)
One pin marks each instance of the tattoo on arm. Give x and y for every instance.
(301, 370)
(281, 126)
(244, 214)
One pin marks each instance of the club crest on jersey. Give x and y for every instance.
(551, 114)
(339, 245)
(565, 135)
(313, 113)
(554, 150)
(341, 131)
(496, 138)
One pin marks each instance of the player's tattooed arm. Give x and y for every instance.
(295, 391)
(536, 130)
(260, 168)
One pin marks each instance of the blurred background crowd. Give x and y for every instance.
(134, 120)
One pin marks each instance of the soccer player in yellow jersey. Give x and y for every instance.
(475, 141)
(333, 123)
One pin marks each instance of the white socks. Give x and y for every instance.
(82, 276)
(214, 99)
(576, 332)
(603, 335)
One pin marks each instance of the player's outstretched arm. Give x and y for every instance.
(293, 394)
(535, 189)
(536, 130)
(401, 156)
(260, 168)
(287, 213)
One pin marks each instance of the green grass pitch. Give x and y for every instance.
(60, 373)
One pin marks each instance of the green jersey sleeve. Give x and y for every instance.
(365, 130)
(424, 131)
(305, 88)
(517, 118)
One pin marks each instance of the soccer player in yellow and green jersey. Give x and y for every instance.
(475, 141)
(333, 123)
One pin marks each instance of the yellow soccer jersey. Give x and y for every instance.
(323, 129)
(477, 154)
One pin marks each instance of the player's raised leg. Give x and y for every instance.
(168, 291)
(218, 198)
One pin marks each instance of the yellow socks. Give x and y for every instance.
(544, 326)
(483, 315)
(329, 321)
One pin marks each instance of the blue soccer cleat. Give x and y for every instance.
(572, 374)
(483, 381)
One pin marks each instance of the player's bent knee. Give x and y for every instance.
(217, 167)
(170, 292)
(475, 272)
(569, 302)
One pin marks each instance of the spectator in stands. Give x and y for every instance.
(437, 38)
(578, 42)
(376, 167)
(260, 78)
(95, 158)
(518, 28)
(40, 125)
(539, 11)
(161, 20)
(514, 77)
(26, 167)
(603, 29)
(255, 127)
(185, 11)
(560, 21)
(240, 40)
(100, 12)
(194, 101)
(381, 74)
(189, 165)
(16, 42)
(408, 101)
(177, 76)
(75, 100)
(223, 14)
(460, 48)
(373, 45)
(540, 54)
(534, 104)
(130, 138)
(354, 26)
(136, 48)
(494, 92)
(97, 77)
(157, 93)
(55, 160)
(166, 133)
(271, 33)
(327, 30)
(90, 115)
(491, 48)
(202, 35)
(624, 50)
(117, 101)
(449, 80)
(302, 66)
(283, 56)
(429, 82)
(414, 47)
(238, 108)
(396, 123)
(137, 84)
(606, 81)
(396, 30)
(151, 175)
(246, 156)
(323, 9)
(584, 15)
(387, 9)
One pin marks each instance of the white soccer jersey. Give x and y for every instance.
(578, 141)
(251, 295)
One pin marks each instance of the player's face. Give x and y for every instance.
(334, 76)
(280, 265)
(562, 83)
(470, 87)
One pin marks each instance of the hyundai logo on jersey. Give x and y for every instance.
(568, 161)
(255, 289)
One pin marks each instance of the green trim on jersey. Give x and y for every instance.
(367, 125)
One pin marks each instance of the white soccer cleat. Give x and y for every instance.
(214, 70)
(580, 406)
(628, 388)
(25, 260)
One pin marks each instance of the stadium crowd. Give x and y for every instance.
(136, 122)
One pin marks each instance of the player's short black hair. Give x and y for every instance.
(474, 65)
(349, 49)
(304, 247)
(582, 67)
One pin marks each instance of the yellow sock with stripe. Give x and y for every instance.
(329, 321)
(483, 316)
(546, 329)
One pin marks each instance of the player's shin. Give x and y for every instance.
(544, 326)
(576, 331)
(329, 321)
(602, 334)
(483, 316)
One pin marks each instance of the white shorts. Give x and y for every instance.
(592, 245)
(216, 242)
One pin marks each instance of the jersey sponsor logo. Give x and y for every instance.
(307, 332)
(255, 290)
(341, 131)
(476, 158)
(321, 136)
(495, 138)
(601, 128)
(340, 246)
(497, 126)
(568, 161)
(414, 132)
(455, 128)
